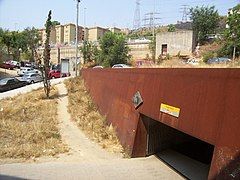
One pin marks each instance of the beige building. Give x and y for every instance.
(114, 30)
(95, 33)
(40, 32)
(126, 31)
(43, 35)
(62, 34)
(139, 49)
(58, 53)
(70, 33)
(172, 43)
(63, 52)
(59, 34)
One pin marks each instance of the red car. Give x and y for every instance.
(57, 74)
(7, 66)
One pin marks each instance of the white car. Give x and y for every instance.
(97, 67)
(32, 78)
(121, 66)
(24, 70)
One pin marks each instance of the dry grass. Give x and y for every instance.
(28, 126)
(85, 113)
(177, 63)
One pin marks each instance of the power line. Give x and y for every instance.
(137, 20)
(150, 19)
(185, 12)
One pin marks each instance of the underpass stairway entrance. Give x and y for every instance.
(186, 154)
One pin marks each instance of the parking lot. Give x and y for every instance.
(4, 73)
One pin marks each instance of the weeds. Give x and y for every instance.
(85, 113)
(28, 126)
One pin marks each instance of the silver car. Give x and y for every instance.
(121, 66)
(32, 78)
(27, 70)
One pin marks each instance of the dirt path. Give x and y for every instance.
(86, 160)
(81, 148)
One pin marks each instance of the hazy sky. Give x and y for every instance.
(19, 14)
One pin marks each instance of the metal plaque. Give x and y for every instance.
(171, 110)
(137, 99)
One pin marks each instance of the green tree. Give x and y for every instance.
(33, 39)
(89, 51)
(231, 40)
(113, 50)
(171, 28)
(152, 47)
(18, 44)
(233, 31)
(46, 56)
(55, 23)
(205, 21)
(6, 40)
(3, 52)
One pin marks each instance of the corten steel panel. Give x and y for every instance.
(209, 100)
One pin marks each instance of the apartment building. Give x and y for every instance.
(59, 34)
(126, 31)
(114, 30)
(43, 35)
(70, 33)
(40, 32)
(66, 34)
(95, 33)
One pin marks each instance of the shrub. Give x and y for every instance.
(207, 56)
(168, 56)
(179, 54)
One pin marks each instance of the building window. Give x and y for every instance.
(164, 49)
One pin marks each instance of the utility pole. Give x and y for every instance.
(137, 21)
(76, 67)
(150, 22)
(185, 11)
(85, 28)
(154, 38)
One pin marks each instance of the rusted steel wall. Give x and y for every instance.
(209, 102)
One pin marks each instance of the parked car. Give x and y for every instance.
(24, 70)
(7, 84)
(218, 60)
(57, 74)
(121, 66)
(32, 78)
(28, 64)
(7, 65)
(97, 67)
(15, 63)
(33, 71)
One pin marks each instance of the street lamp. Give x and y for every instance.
(78, 1)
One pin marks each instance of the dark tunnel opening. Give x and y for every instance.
(184, 153)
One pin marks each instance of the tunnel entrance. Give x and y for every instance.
(186, 154)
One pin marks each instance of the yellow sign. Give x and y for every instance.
(171, 110)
